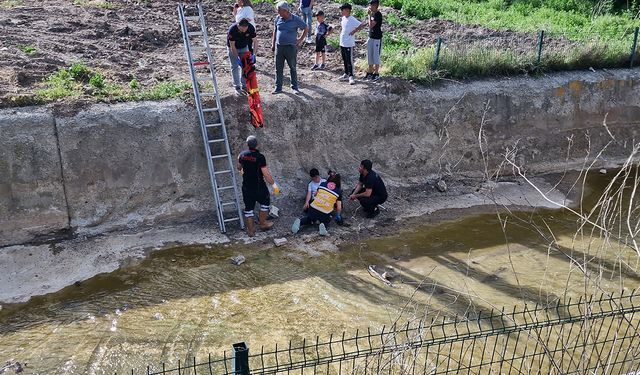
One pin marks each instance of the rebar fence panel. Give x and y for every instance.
(596, 335)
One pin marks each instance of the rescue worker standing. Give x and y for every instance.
(253, 167)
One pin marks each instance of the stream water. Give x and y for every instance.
(191, 301)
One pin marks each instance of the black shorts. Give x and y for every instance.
(320, 44)
(253, 195)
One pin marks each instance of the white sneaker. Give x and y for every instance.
(343, 78)
(322, 229)
(352, 81)
(295, 228)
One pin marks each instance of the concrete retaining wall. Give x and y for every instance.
(130, 164)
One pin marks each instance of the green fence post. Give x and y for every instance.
(634, 48)
(540, 42)
(436, 58)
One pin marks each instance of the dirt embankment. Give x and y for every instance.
(141, 40)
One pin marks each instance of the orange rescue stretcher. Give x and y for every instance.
(247, 62)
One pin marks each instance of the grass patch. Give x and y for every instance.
(577, 19)
(29, 50)
(394, 20)
(11, 3)
(359, 12)
(334, 41)
(105, 5)
(482, 61)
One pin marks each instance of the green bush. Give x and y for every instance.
(97, 81)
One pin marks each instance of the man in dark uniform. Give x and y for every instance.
(253, 167)
(370, 189)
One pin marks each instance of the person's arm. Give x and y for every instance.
(267, 175)
(234, 50)
(307, 199)
(355, 190)
(365, 194)
(273, 38)
(255, 46)
(360, 26)
(305, 30)
(240, 169)
(339, 207)
(372, 20)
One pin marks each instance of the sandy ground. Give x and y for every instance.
(36, 269)
(142, 40)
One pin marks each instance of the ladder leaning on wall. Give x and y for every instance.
(214, 133)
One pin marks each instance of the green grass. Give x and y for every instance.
(480, 61)
(601, 31)
(393, 20)
(78, 80)
(10, 3)
(29, 50)
(572, 18)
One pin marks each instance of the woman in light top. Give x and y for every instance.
(244, 9)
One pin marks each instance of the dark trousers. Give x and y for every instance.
(347, 59)
(289, 54)
(369, 204)
(313, 215)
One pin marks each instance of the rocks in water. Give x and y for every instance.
(441, 186)
(157, 316)
(279, 241)
(603, 171)
(12, 365)
(238, 259)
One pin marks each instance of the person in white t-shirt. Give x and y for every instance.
(349, 27)
(243, 9)
(312, 189)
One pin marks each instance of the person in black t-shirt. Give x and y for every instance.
(370, 189)
(253, 166)
(241, 38)
(374, 43)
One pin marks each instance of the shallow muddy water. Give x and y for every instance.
(191, 301)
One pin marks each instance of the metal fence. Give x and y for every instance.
(585, 336)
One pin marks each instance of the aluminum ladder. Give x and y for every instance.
(214, 133)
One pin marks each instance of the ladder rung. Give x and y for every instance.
(229, 204)
(194, 33)
(207, 94)
(221, 172)
(225, 188)
(216, 140)
(209, 109)
(232, 219)
(199, 64)
(192, 18)
(198, 48)
(219, 156)
(212, 125)
(202, 78)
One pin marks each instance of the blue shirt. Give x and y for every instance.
(305, 3)
(287, 30)
(321, 30)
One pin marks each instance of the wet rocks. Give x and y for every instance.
(12, 365)
(279, 241)
(441, 186)
(238, 259)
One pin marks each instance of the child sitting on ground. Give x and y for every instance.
(328, 197)
(322, 30)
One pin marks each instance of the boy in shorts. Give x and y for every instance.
(322, 30)
(374, 43)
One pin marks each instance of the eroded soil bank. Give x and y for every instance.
(134, 165)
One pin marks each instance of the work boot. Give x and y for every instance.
(264, 224)
(251, 229)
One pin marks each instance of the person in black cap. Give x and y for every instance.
(370, 189)
(374, 43)
(253, 166)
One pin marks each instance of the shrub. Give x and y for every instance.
(97, 81)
